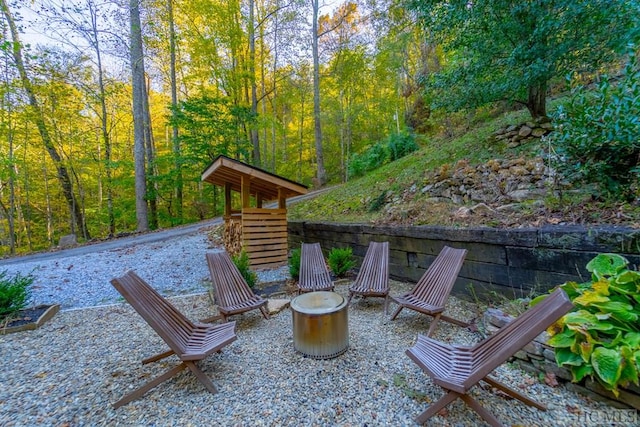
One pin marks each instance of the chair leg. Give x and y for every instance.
(264, 312)
(513, 393)
(386, 304)
(350, 296)
(434, 323)
(158, 357)
(400, 307)
(204, 379)
(148, 386)
(434, 408)
(486, 415)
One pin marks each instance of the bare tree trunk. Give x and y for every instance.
(255, 139)
(103, 120)
(179, 185)
(321, 173)
(152, 172)
(537, 100)
(77, 216)
(138, 86)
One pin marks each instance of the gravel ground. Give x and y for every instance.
(71, 370)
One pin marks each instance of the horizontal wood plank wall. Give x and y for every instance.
(264, 233)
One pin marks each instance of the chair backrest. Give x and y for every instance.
(230, 287)
(314, 273)
(496, 349)
(374, 270)
(162, 316)
(436, 283)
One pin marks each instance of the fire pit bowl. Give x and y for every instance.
(320, 324)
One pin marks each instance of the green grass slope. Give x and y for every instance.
(391, 194)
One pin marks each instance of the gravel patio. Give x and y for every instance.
(70, 371)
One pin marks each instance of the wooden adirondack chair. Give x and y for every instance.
(314, 274)
(430, 294)
(189, 341)
(457, 369)
(232, 294)
(373, 278)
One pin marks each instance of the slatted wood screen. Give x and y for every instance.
(264, 233)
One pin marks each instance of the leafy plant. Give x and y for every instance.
(242, 262)
(341, 261)
(601, 337)
(401, 144)
(294, 263)
(14, 293)
(598, 135)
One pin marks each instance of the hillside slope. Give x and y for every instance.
(474, 178)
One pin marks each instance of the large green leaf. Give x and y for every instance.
(579, 372)
(582, 321)
(590, 297)
(628, 277)
(632, 339)
(620, 310)
(606, 265)
(563, 339)
(607, 364)
(565, 357)
(629, 373)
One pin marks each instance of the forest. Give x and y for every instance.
(111, 109)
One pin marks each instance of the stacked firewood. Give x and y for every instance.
(232, 237)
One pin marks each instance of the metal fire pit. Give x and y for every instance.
(320, 324)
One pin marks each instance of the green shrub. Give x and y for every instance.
(294, 264)
(601, 337)
(341, 261)
(242, 262)
(374, 157)
(14, 293)
(598, 135)
(401, 144)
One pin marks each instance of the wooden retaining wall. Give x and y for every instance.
(512, 262)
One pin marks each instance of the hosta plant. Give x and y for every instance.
(600, 338)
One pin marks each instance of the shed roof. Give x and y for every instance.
(225, 170)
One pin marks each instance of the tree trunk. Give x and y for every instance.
(77, 216)
(178, 186)
(321, 173)
(138, 86)
(255, 139)
(537, 100)
(103, 120)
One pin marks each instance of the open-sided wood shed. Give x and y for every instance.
(262, 232)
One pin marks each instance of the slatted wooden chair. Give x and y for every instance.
(373, 278)
(430, 294)
(232, 293)
(314, 274)
(457, 369)
(189, 341)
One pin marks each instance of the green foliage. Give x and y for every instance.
(388, 150)
(294, 263)
(601, 337)
(401, 144)
(510, 50)
(242, 262)
(598, 137)
(377, 203)
(341, 261)
(374, 157)
(14, 293)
